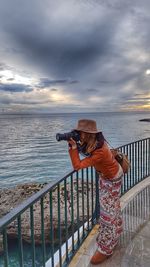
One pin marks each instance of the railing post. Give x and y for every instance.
(97, 204)
(149, 157)
(5, 246)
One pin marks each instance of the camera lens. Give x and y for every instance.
(67, 136)
(58, 137)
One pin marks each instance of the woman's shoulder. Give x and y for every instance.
(101, 149)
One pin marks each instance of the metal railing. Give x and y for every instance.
(139, 155)
(50, 226)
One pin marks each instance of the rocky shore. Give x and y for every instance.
(148, 120)
(12, 197)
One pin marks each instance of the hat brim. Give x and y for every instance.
(81, 130)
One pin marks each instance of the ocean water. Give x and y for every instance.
(29, 151)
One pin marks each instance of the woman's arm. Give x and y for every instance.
(84, 163)
(77, 163)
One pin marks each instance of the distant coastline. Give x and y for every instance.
(147, 120)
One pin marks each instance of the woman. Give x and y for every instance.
(110, 172)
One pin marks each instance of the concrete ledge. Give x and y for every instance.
(87, 249)
(127, 197)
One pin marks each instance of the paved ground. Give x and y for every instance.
(133, 249)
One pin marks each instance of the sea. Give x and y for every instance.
(29, 151)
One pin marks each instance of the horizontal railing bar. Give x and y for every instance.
(8, 218)
(137, 141)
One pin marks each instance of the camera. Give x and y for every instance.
(66, 136)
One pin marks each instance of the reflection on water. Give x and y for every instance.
(13, 252)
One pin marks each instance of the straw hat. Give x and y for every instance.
(87, 126)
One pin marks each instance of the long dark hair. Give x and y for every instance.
(100, 139)
(91, 142)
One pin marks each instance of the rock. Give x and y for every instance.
(12, 197)
(148, 120)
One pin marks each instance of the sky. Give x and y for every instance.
(74, 56)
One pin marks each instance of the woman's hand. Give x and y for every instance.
(72, 143)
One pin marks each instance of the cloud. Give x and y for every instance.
(45, 82)
(10, 79)
(62, 48)
(54, 90)
(90, 51)
(15, 88)
(2, 66)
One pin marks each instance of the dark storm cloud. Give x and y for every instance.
(66, 46)
(81, 47)
(45, 82)
(15, 88)
(69, 59)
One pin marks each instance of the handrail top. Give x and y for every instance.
(6, 219)
(134, 142)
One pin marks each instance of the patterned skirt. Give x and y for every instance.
(110, 213)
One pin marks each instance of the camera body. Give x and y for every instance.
(66, 136)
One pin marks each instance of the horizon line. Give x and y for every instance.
(84, 112)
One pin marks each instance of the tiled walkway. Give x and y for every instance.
(133, 249)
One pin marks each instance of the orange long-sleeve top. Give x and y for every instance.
(101, 159)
